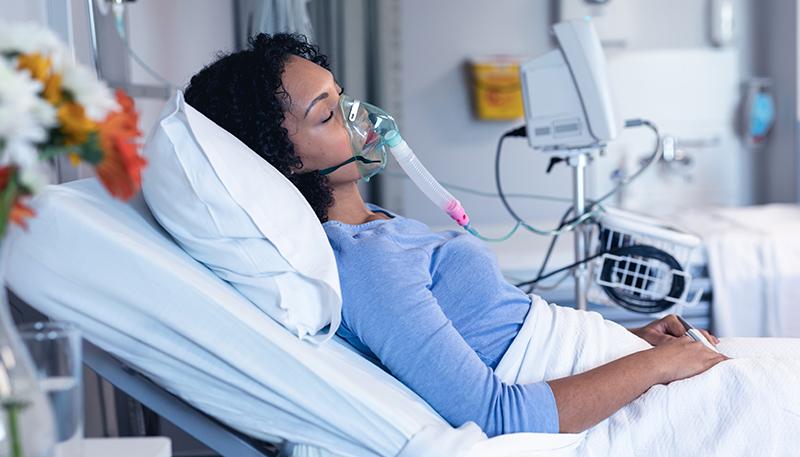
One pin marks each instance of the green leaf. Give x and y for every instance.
(7, 197)
(51, 150)
(91, 151)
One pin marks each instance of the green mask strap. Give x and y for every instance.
(329, 170)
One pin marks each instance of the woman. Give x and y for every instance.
(432, 308)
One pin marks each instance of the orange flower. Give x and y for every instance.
(121, 165)
(20, 211)
(75, 125)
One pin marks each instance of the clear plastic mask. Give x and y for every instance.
(366, 126)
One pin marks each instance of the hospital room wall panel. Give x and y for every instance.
(644, 24)
(693, 95)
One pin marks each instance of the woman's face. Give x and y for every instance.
(314, 121)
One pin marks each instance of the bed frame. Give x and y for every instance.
(210, 432)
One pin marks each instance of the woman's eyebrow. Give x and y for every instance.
(319, 97)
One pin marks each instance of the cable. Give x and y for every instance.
(547, 287)
(118, 10)
(549, 252)
(592, 207)
(555, 272)
(595, 207)
(472, 230)
(553, 241)
(657, 152)
(566, 227)
(481, 193)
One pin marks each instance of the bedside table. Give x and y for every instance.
(127, 447)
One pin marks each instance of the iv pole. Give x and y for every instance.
(579, 162)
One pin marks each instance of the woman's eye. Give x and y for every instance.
(330, 116)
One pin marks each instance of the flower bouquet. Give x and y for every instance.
(49, 107)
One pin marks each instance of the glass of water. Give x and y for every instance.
(55, 348)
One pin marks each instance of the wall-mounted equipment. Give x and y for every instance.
(758, 112)
(496, 90)
(722, 26)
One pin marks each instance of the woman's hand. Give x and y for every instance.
(587, 398)
(681, 358)
(666, 329)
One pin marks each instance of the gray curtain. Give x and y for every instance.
(272, 16)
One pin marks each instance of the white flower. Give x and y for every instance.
(24, 116)
(93, 94)
(37, 176)
(29, 37)
(22, 112)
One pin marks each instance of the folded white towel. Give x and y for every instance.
(754, 264)
(749, 405)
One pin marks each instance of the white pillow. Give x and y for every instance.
(231, 210)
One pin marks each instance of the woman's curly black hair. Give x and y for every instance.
(242, 92)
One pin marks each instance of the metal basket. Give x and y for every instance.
(621, 235)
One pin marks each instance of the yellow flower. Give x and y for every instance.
(37, 64)
(52, 90)
(40, 69)
(75, 126)
(74, 159)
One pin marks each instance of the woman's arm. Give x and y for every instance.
(389, 307)
(585, 399)
(391, 310)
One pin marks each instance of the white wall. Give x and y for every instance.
(176, 38)
(436, 118)
(22, 10)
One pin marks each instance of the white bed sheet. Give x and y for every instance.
(109, 268)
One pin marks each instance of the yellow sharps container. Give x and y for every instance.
(496, 88)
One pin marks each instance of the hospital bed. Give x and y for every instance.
(128, 381)
(167, 331)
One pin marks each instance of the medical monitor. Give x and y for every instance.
(566, 96)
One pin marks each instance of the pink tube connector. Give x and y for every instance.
(457, 212)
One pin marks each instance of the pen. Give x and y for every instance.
(695, 334)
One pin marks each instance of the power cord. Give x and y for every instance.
(518, 132)
(520, 222)
(118, 10)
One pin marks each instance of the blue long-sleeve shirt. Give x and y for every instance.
(434, 310)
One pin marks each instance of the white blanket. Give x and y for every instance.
(749, 405)
(754, 264)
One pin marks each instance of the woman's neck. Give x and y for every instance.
(349, 207)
